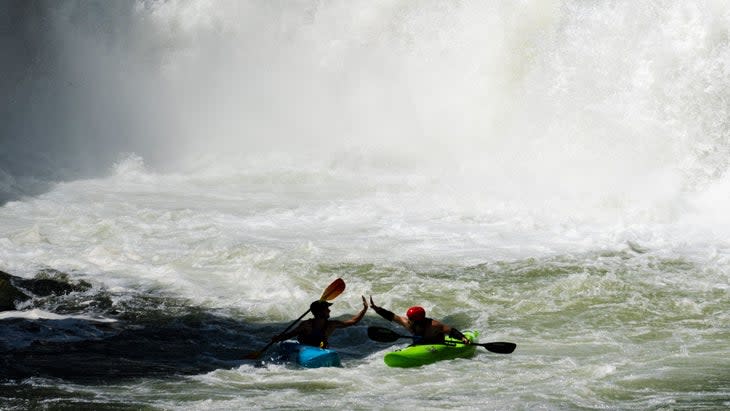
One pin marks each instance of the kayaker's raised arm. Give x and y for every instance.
(389, 315)
(356, 319)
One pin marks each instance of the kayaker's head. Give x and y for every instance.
(320, 308)
(416, 313)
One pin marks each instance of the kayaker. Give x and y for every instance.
(316, 331)
(426, 330)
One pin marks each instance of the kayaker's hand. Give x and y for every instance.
(466, 341)
(372, 303)
(364, 303)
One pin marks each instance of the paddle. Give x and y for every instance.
(385, 335)
(330, 293)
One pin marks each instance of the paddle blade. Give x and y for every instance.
(333, 290)
(500, 347)
(381, 334)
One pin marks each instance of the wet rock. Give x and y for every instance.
(9, 294)
(14, 289)
(52, 282)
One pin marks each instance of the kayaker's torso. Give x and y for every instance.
(316, 332)
(427, 331)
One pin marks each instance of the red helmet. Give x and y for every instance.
(416, 313)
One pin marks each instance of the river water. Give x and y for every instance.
(550, 173)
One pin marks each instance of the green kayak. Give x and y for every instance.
(417, 355)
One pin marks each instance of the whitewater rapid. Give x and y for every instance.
(550, 173)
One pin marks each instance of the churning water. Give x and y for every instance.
(551, 173)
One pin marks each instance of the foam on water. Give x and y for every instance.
(552, 173)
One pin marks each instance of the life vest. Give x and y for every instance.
(419, 329)
(317, 338)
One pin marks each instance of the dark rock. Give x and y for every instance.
(9, 294)
(52, 282)
(46, 282)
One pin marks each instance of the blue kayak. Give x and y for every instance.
(308, 356)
